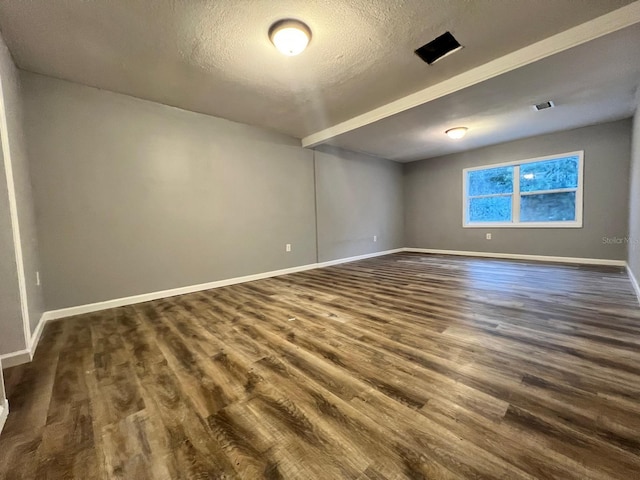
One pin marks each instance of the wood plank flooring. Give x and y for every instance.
(403, 366)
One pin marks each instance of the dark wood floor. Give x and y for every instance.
(405, 366)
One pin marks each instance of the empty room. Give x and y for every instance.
(343, 239)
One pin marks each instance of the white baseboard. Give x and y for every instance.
(517, 256)
(35, 337)
(634, 282)
(4, 413)
(146, 297)
(15, 358)
(119, 302)
(25, 356)
(358, 257)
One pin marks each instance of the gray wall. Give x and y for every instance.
(634, 199)
(358, 196)
(433, 197)
(134, 197)
(3, 395)
(12, 100)
(11, 326)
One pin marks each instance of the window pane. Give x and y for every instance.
(490, 181)
(548, 207)
(549, 175)
(490, 209)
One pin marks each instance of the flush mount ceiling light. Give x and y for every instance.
(290, 37)
(457, 133)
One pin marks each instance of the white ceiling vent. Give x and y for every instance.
(544, 105)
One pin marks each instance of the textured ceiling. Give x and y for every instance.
(592, 83)
(214, 56)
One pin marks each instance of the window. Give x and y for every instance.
(541, 192)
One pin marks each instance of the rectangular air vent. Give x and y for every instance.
(544, 105)
(439, 48)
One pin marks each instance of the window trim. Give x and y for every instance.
(515, 202)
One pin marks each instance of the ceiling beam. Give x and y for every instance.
(598, 27)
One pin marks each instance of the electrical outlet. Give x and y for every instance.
(287, 247)
(38, 278)
(488, 236)
(375, 238)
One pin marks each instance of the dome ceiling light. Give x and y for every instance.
(290, 37)
(457, 133)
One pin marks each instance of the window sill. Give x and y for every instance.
(525, 225)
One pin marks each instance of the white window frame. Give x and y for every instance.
(515, 195)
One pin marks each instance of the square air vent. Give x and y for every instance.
(439, 48)
(544, 105)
